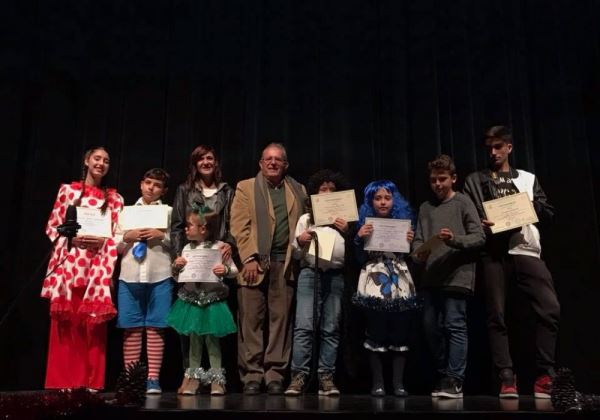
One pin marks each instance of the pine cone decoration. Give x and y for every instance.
(131, 384)
(564, 395)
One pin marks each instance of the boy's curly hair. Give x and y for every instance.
(326, 175)
(442, 163)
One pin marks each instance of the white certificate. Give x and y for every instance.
(200, 264)
(93, 222)
(430, 245)
(326, 207)
(140, 217)
(389, 235)
(326, 243)
(510, 212)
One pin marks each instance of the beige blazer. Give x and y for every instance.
(243, 224)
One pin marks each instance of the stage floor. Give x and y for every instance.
(346, 406)
(239, 406)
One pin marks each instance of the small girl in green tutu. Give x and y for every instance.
(200, 310)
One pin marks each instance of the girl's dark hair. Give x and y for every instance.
(84, 171)
(196, 155)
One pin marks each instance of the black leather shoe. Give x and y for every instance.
(275, 388)
(252, 388)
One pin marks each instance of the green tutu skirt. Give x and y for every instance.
(214, 319)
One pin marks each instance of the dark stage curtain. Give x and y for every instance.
(372, 88)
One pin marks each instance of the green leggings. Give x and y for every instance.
(213, 347)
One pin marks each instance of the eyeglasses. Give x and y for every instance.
(273, 159)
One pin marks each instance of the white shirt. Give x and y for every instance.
(157, 264)
(209, 192)
(527, 240)
(300, 253)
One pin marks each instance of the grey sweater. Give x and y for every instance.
(450, 267)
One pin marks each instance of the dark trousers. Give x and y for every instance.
(269, 302)
(535, 281)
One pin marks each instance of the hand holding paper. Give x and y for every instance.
(304, 238)
(87, 241)
(147, 234)
(225, 249)
(219, 270)
(487, 226)
(179, 263)
(341, 224)
(446, 234)
(365, 230)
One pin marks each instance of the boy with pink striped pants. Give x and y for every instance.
(145, 284)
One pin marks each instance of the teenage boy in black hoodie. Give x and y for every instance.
(514, 255)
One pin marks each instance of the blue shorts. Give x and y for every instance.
(144, 304)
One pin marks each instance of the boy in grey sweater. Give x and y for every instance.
(448, 235)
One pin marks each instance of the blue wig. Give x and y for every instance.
(400, 209)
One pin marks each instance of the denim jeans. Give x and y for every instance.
(445, 322)
(329, 312)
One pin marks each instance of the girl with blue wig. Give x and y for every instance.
(385, 289)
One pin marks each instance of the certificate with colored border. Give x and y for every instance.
(329, 206)
(199, 265)
(389, 235)
(510, 212)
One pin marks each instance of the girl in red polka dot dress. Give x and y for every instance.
(78, 283)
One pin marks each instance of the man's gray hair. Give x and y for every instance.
(278, 146)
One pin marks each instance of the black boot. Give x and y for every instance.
(398, 363)
(377, 388)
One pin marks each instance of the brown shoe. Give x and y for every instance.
(326, 385)
(183, 385)
(191, 387)
(297, 385)
(217, 389)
